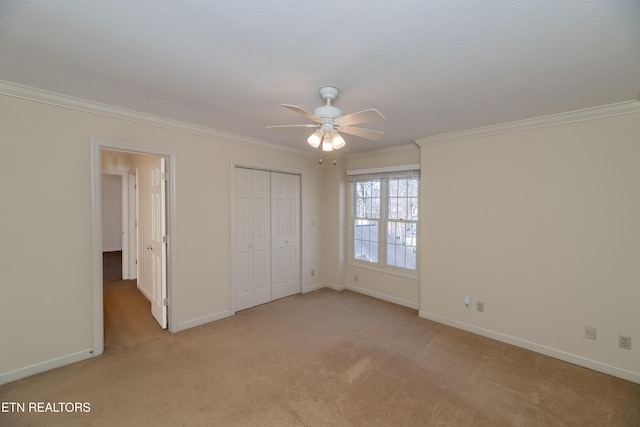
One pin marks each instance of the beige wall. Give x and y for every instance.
(380, 284)
(46, 302)
(543, 226)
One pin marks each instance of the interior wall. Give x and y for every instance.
(51, 307)
(111, 212)
(329, 217)
(385, 285)
(543, 227)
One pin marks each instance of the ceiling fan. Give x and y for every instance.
(330, 122)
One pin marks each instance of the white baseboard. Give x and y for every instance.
(312, 288)
(47, 365)
(538, 348)
(395, 300)
(203, 320)
(334, 287)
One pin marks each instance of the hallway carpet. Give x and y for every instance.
(111, 266)
(321, 359)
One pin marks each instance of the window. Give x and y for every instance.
(385, 219)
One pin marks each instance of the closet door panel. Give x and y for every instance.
(243, 239)
(292, 235)
(278, 235)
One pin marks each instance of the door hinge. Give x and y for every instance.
(165, 239)
(165, 176)
(165, 302)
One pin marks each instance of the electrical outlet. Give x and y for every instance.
(624, 342)
(590, 333)
(480, 306)
(467, 301)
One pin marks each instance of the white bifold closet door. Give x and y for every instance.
(267, 236)
(253, 238)
(285, 235)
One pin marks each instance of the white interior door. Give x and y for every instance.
(278, 235)
(292, 235)
(285, 234)
(125, 226)
(158, 244)
(261, 237)
(252, 238)
(267, 236)
(243, 239)
(133, 225)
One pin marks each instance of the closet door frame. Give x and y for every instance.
(268, 168)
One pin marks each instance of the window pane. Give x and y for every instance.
(411, 258)
(367, 199)
(413, 206)
(393, 208)
(413, 187)
(401, 244)
(393, 188)
(365, 245)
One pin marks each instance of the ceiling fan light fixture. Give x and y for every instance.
(329, 119)
(315, 139)
(327, 145)
(337, 141)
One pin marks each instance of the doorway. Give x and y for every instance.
(143, 177)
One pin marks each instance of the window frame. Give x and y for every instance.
(384, 220)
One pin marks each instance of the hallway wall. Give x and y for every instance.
(50, 307)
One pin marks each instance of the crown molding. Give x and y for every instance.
(39, 95)
(626, 107)
(385, 150)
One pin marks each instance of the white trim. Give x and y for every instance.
(384, 169)
(338, 288)
(373, 294)
(203, 320)
(386, 150)
(384, 297)
(626, 107)
(538, 348)
(96, 227)
(47, 365)
(308, 289)
(394, 271)
(33, 94)
(96, 222)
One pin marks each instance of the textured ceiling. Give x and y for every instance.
(430, 67)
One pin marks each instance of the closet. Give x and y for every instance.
(266, 236)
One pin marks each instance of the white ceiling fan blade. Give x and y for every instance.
(360, 117)
(373, 135)
(308, 125)
(304, 112)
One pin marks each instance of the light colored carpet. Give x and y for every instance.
(322, 359)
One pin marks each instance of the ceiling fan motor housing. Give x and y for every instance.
(327, 112)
